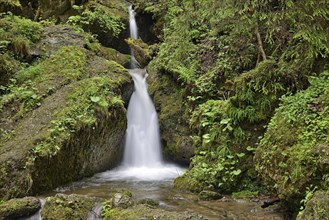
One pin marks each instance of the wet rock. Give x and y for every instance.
(105, 34)
(175, 132)
(317, 207)
(148, 202)
(22, 207)
(68, 207)
(144, 212)
(209, 195)
(122, 199)
(142, 51)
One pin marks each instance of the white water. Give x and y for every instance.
(142, 148)
(142, 154)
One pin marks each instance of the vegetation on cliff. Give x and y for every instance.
(237, 62)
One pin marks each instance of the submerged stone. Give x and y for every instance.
(209, 195)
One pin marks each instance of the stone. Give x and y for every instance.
(209, 195)
(21, 207)
(71, 206)
(317, 207)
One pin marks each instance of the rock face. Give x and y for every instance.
(74, 123)
(175, 132)
(317, 207)
(16, 208)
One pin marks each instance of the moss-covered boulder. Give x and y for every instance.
(142, 211)
(111, 54)
(142, 52)
(175, 132)
(106, 20)
(121, 199)
(63, 117)
(16, 208)
(71, 206)
(317, 207)
(293, 155)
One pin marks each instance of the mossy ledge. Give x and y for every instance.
(69, 124)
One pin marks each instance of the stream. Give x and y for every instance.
(103, 185)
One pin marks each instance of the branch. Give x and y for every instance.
(260, 44)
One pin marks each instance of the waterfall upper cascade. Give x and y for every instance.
(142, 154)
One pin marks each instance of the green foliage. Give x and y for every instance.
(246, 194)
(96, 14)
(235, 60)
(18, 34)
(296, 140)
(87, 98)
(31, 85)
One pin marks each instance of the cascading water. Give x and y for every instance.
(142, 154)
(142, 146)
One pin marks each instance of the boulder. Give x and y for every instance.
(71, 206)
(317, 207)
(74, 128)
(209, 195)
(21, 207)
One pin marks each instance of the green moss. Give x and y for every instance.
(110, 54)
(188, 182)
(316, 207)
(66, 65)
(88, 97)
(68, 207)
(288, 157)
(142, 51)
(8, 66)
(20, 33)
(35, 83)
(245, 194)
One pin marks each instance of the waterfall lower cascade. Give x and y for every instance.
(142, 154)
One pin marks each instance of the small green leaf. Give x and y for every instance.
(95, 98)
(236, 172)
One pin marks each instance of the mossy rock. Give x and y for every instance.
(209, 195)
(71, 206)
(148, 202)
(16, 208)
(317, 207)
(293, 154)
(175, 132)
(108, 21)
(19, 35)
(142, 51)
(111, 54)
(144, 212)
(62, 132)
(188, 183)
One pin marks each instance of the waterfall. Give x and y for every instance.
(142, 158)
(132, 23)
(142, 146)
(133, 34)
